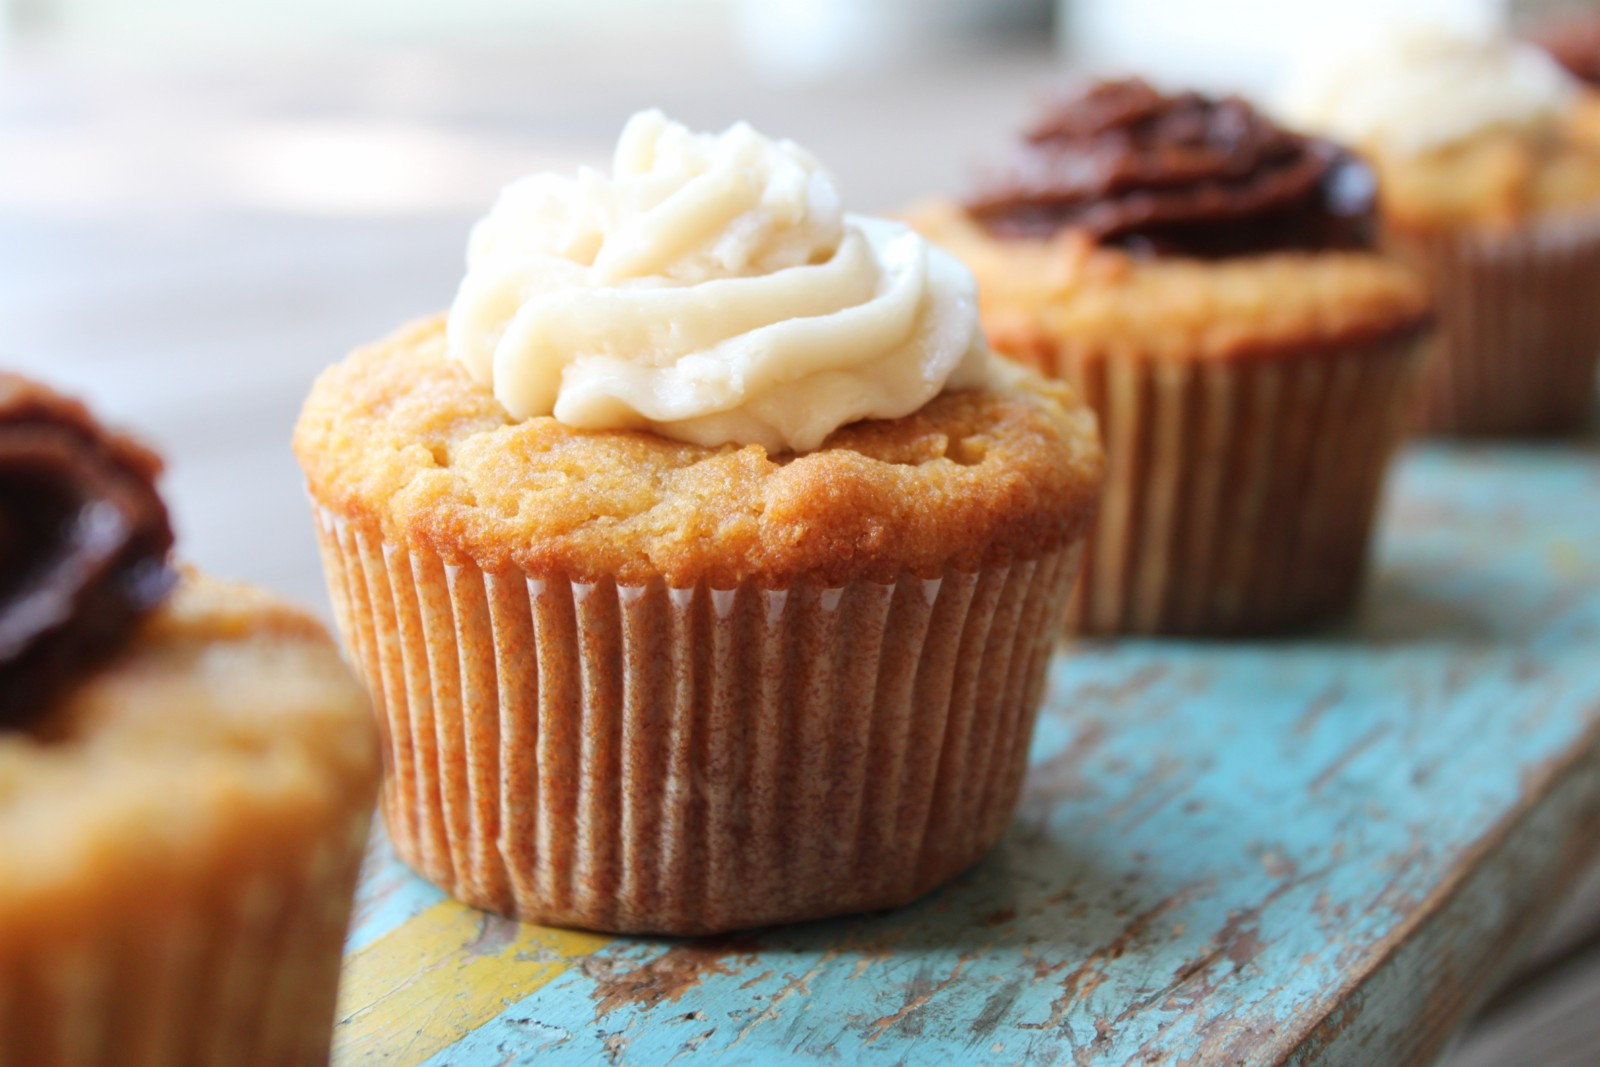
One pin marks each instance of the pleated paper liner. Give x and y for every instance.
(649, 759)
(229, 960)
(1240, 493)
(1519, 324)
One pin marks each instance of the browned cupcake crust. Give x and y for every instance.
(220, 691)
(228, 718)
(182, 832)
(1498, 181)
(1066, 294)
(400, 437)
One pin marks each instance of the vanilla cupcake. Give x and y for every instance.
(1207, 280)
(187, 773)
(703, 565)
(1490, 186)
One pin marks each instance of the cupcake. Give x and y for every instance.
(702, 563)
(187, 773)
(1208, 282)
(1490, 187)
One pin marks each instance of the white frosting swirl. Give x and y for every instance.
(712, 290)
(1419, 89)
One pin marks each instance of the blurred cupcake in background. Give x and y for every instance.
(187, 775)
(1208, 281)
(1487, 186)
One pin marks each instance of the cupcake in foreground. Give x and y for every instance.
(1492, 190)
(703, 564)
(1207, 281)
(186, 777)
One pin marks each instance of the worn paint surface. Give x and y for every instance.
(1320, 849)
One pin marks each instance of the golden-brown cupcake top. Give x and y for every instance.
(226, 718)
(1495, 180)
(1068, 292)
(400, 440)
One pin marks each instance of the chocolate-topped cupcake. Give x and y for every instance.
(186, 776)
(1209, 281)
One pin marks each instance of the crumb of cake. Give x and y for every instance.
(400, 439)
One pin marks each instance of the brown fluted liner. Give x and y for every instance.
(231, 961)
(1519, 325)
(648, 759)
(1239, 493)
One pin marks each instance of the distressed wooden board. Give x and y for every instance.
(1324, 849)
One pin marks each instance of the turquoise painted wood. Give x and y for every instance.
(1318, 849)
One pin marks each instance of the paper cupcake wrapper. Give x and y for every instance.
(1519, 327)
(1239, 493)
(199, 964)
(649, 759)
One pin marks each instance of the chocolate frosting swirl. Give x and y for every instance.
(84, 541)
(1178, 175)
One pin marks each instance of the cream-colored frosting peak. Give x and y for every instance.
(710, 289)
(1421, 89)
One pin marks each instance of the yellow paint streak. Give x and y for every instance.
(428, 983)
(1566, 559)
